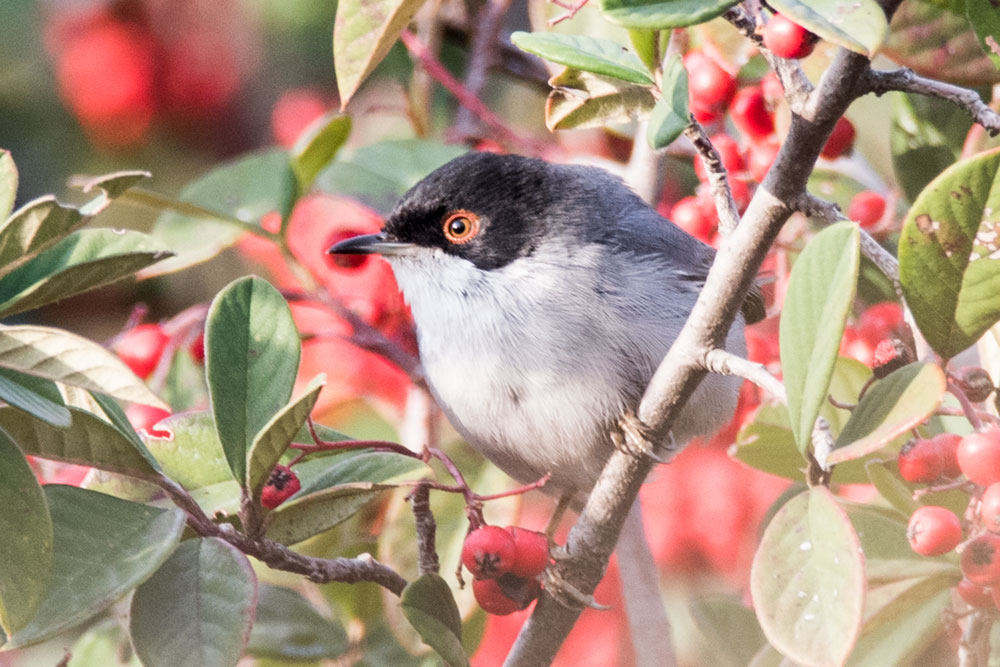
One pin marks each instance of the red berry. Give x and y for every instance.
(974, 594)
(867, 208)
(710, 87)
(729, 153)
(141, 348)
(981, 560)
(787, 38)
(979, 456)
(505, 595)
(920, 461)
(890, 355)
(740, 190)
(841, 140)
(760, 158)
(197, 348)
(989, 508)
(881, 320)
(531, 552)
(934, 531)
(771, 86)
(948, 448)
(695, 217)
(294, 111)
(750, 114)
(488, 552)
(145, 417)
(281, 485)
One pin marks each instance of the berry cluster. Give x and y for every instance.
(714, 92)
(505, 564)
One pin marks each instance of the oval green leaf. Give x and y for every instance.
(277, 434)
(287, 627)
(103, 547)
(430, 608)
(820, 291)
(243, 191)
(949, 254)
(317, 146)
(84, 260)
(887, 482)
(252, 354)
(926, 138)
(8, 184)
(985, 19)
(859, 25)
(670, 115)
(192, 456)
(26, 559)
(808, 580)
(34, 227)
(589, 54)
(897, 403)
(363, 33)
(663, 14)
(205, 595)
(581, 99)
(36, 396)
(888, 556)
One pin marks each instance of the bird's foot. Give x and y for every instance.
(564, 592)
(633, 437)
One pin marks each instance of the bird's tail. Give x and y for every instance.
(647, 618)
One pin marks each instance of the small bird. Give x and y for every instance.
(544, 297)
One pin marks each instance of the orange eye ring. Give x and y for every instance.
(461, 227)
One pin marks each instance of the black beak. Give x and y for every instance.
(369, 244)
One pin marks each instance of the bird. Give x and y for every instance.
(544, 297)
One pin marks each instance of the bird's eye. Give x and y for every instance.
(461, 227)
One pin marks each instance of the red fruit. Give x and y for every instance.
(890, 355)
(981, 560)
(281, 485)
(989, 508)
(531, 552)
(760, 158)
(948, 448)
(200, 74)
(867, 208)
(857, 346)
(293, 113)
(729, 153)
(740, 190)
(975, 595)
(488, 552)
(881, 320)
(979, 456)
(141, 348)
(750, 115)
(710, 87)
(145, 417)
(771, 86)
(934, 531)
(841, 140)
(693, 216)
(920, 461)
(197, 348)
(787, 38)
(494, 597)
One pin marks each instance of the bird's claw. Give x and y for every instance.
(564, 592)
(633, 438)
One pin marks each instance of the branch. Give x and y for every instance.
(482, 54)
(726, 363)
(278, 556)
(906, 80)
(427, 558)
(722, 194)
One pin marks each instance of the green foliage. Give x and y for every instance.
(859, 25)
(287, 627)
(317, 147)
(588, 54)
(430, 607)
(662, 14)
(581, 99)
(670, 115)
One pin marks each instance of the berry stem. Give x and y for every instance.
(967, 408)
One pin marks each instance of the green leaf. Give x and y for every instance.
(205, 594)
(894, 405)
(926, 138)
(82, 261)
(8, 184)
(243, 191)
(103, 645)
(888, 556)
(120, 421)
(37, 397)
(111, 185)
(334, 488)
(317, 146)
(647, 46)
(274, 438)
(859, 25)
(103, 548)
(670, 115)
(363, 33)
(581, 99)
(26, 550)
(37, 225)
(288, 628)
(663, 14)
(820, 292)
(430, 608)
(985, 19)
(730, 629)
(949, 254)
(902, 620)
(808, 580)
(589, 54)
(193, 456)
(88, 440)
(379, 174)
(938, 43)
(889, 485)
(252, 354)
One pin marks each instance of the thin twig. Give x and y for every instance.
(571, 9)
(482, 54)
(726, 363)
(722, 194)
(427, 557)
(968, 409)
